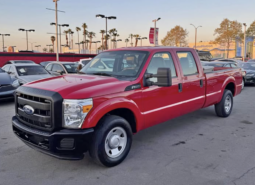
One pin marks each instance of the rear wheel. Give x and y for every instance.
(224, 107)
(112, 141)
(243, 84)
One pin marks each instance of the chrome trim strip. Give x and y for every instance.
(172, 105)
(213, 93)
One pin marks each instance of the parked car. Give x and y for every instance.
(85, 61)
(26, 72)
(44, 64)
(20, 62)
(61, 68)
(7, 85)
(100, 110)
(251, 60)
(205, 56)
(250, 72)
(231, 60)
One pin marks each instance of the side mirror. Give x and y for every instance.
(164, 77)
(60, 72)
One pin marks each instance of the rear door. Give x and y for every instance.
(161, 103)
(193, 84)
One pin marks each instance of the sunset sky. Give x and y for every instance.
(132, 17)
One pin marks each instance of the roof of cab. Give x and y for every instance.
(150, 48)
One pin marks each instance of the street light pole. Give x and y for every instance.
(31, 30)
(244, 44)
(3, 39)
(155, 31)
(195, 34)
(56, 13)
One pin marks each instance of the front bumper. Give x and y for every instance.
(7, 94)
(64, 144)
(249, 79)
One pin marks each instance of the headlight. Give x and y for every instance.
(21, 82)
(250, 75)
(75, 112)
(15, 83)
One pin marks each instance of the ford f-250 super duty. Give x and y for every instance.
(117, 94)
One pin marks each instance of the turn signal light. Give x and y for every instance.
(87, 108)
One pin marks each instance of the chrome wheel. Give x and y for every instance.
(115, 142)
(242, 84)
(228, 104)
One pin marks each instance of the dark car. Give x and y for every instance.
(60, 68)
(44, 64)
(26, 72)
(7, 85)
(250, 72)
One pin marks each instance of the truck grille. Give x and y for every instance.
(41, 118)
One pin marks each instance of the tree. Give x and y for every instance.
(87, 43)
(83, 43)
(175, 37)
(51, 50)
(52, 38)
(78, 29)
(227, 32)
(91, 35)
(111, 32)
(131, 36)
(102, 32)
(251, 30)
(114, 38)
(136, 36)
(126, 40)
(85, 32)
(66, 32)
(45, 50)
(106, 38)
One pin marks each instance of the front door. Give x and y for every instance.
(161, 103)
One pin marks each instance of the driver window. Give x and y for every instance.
(57, 67)
(161, 60)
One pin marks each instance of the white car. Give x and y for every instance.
(84, 61)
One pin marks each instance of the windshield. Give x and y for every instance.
(23, 62)
(31, 70)
(248, 66)
(116, 63)
(205, 56)
(71, 68)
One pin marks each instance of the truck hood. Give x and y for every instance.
(32, 78)
(81, 86)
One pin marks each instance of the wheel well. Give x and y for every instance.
(231, 87)
(127, 115)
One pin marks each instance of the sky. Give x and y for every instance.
(133, 16)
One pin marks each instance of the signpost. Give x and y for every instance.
(151, 36)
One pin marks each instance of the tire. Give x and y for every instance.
(225, 106)
(243, 82)
(111, 141)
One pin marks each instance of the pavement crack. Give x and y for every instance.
(248, 171)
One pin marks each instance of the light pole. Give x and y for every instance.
(38, 46)
(195, 34)
(131, 39)
(141, 38)
(244, 44)
(109, 17)
(32, 45)
(155, 27)
(60, 25)
(4, 35)
(96, 44)
(30, 30)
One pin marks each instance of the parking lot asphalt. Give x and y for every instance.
(196, 149)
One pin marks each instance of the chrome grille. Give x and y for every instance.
(41, 118)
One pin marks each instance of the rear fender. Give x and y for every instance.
(230, 79)
(112, 104)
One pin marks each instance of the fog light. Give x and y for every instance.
(67, 143)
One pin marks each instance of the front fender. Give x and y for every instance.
(111, 104)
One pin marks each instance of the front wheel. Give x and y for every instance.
(224, 107)
(111, 141)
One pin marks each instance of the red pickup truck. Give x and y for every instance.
(117, 94)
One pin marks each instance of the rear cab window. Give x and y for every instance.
(188, 63)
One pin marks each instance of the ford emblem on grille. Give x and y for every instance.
(28, 109)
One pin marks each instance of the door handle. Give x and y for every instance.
(180, 87)
(201, 83)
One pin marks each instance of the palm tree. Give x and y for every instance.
(85, 32)
(44, 50)
(127, 40)
(52, 38)
(131, 36)
(90, 36)
(87, 43)
(115, 35)
(51, 50)
(111, 32)
(69, 32)
(83, 43)
(78, 29)
(136, 39)
(66, 32)
(106, 37)
(102, 32)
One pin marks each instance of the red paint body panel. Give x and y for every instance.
(41, 57)
(150, 105)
